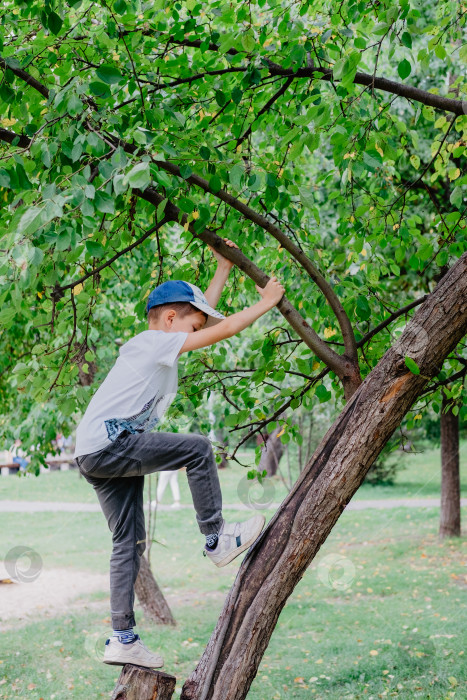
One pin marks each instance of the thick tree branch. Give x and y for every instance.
(24, 75)
(10, 136)
(447, 104)
(289, 245)
(340, 364)
(345, 367)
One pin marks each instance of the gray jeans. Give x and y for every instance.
(117, 475)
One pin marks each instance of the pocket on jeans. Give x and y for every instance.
(89, 463)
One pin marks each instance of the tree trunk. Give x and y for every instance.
(272, 452)
(223, 463)
(150, 596)
(139, 683)
(450, 520)
(280, 556)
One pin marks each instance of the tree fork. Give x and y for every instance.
(273, 567)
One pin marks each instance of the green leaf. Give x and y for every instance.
(160, 209)
(406, 39)
(54, 22)
(74, 105)
(248, 41)
(95, 249)
(63, 240)
(235, 175)
(221, 97)
(35, 256)
(363, 308)
(139, 176)
(412, 365)
(415, 160)
(120, 7)
(104, 203)
(322, 393)
(307, 197)
(30, 221)
(99, 89)
(215, 183)
(128, 321)
(404, 69)
(5, 179)
(109, 74)
(185, 171)
(456, 196)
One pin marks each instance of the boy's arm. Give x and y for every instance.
(214, 291)
(271, 295)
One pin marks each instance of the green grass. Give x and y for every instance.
(380, 613)
(419, 478)
(393, 589)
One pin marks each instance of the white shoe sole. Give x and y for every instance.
(227, 559)
(132, 662)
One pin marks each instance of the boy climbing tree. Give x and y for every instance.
(115, 447)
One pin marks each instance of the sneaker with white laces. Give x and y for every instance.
(234, 538)
(119, 654)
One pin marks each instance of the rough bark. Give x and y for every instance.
(150, 596)
(139, 683)
(450, 520)
(279, 558)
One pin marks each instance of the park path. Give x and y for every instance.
(8, 506)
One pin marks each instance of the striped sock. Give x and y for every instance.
(211, 541)
(125, 636)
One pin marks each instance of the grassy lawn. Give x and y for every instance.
(419, 478)
(380, 613)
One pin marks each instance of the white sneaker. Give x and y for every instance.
(119, 654)
(234, 538)
(176, 505)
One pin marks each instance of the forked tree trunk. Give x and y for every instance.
(279, 558)
(150, 596)
(450, 520)
(138, 683)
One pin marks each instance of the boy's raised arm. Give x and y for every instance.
(271, 295)
(214, 291)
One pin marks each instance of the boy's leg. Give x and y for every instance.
(117, 475)
(145, 453)
(121, 500)
(170, 451)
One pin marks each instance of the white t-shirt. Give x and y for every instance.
(136, 392)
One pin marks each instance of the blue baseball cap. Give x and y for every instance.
(178, 290)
